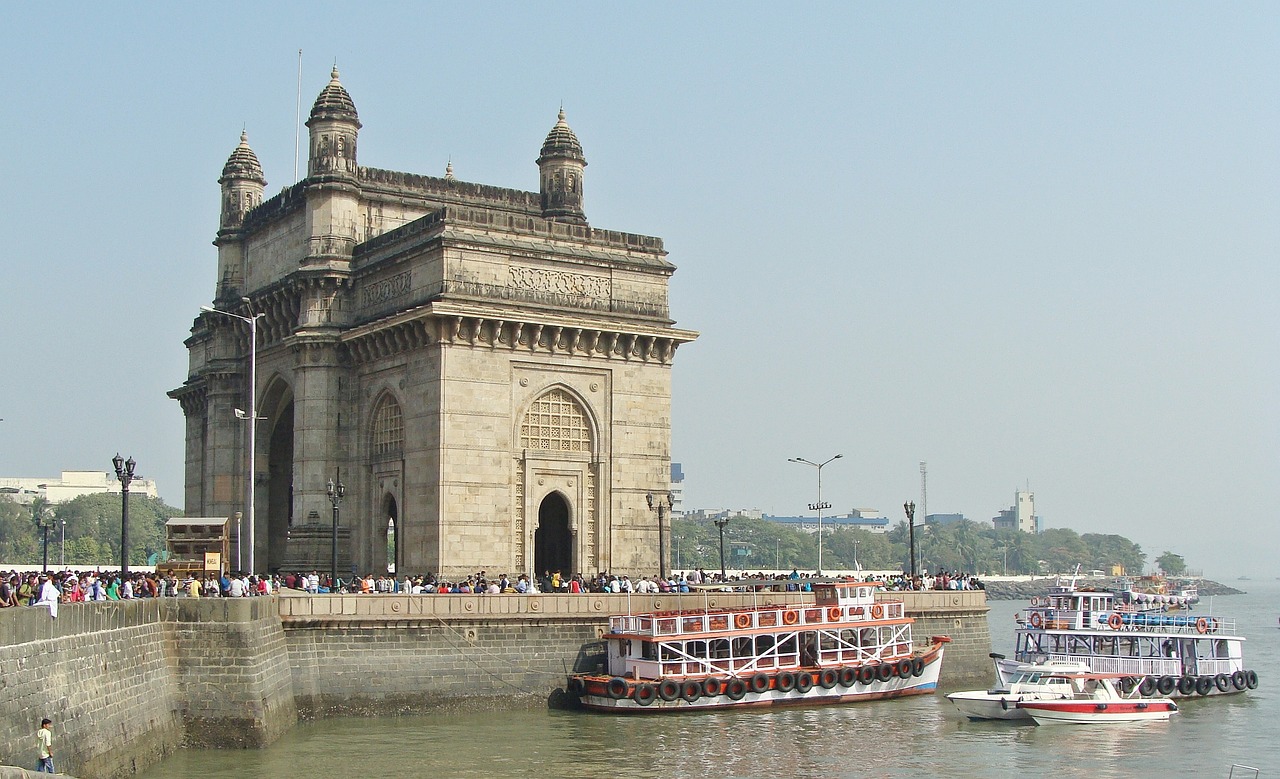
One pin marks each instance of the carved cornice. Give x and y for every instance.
(473, 330)
(193, 397)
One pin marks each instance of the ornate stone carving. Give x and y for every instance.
(385, 290)
(560, 282)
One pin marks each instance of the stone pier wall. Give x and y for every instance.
(128, 683)
(393, 654)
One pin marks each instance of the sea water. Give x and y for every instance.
(922, 736)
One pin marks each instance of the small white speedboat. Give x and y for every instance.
(1095, 699)
(1033, 681)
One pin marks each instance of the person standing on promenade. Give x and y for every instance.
(45, 738)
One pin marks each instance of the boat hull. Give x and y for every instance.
(981, 705)
(1174, 688)
(596, 698)
(1090, 712)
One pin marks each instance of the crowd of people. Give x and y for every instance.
(17, 589)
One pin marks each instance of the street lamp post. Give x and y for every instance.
(335, 489)
(662, 504)
(819, 506)
(38, 516)
(1004, 560)
(251, 416)
(856, 567)
(910, 508)
(125, 473)
(721, 523)
(62, 546)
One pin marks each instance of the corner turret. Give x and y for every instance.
(242, 185)
(560, 166)
(333, 127)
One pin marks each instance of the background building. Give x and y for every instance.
(488, 374)
(71, 485)
(1021, 516)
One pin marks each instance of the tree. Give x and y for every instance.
(1172, 564)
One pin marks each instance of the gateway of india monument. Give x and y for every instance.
(488, 375)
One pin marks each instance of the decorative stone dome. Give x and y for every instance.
(561, 143)
(243, 164)
(334, 102)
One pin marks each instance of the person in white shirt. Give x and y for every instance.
(236, 590)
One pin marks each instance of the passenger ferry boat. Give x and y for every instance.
(846, 646)
(1158, 652)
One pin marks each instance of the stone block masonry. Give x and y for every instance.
(128, 683)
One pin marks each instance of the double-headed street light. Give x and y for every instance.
(910, 508)
(335, 489)
(42, 521)
(251, 416)
(124, 472)
(819, 506)
(720, 523)
(662, 503)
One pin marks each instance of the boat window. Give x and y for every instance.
(764, 644)
(719, 648)
(648, 650)
(696, 648)
(671, 650)
(827, 641)
(788, 645)
(743, 646)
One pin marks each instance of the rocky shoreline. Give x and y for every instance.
(1024, 590)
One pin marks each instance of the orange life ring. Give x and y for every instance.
(1037, 619)
(833, 613)
(742, 620)
(1202, 625)
(1115, 621)
(1035, 601)
(790, 617)
(877, 611)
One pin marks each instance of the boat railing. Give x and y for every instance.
(1150, 666)
(675, 623)
(1141, 621)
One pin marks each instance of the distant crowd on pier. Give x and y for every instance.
(17, 589)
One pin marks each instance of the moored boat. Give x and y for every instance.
(1095, 699)
(1036, 681)
(845, 646)
(1157, 652)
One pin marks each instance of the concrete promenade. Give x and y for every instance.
(128, 683)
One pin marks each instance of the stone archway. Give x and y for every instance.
(279, 489)
(392, 542)
(552, 541)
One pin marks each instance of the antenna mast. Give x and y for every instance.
(297, 121)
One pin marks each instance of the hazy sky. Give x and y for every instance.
(1030, 244)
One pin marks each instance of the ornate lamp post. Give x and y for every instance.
(662, 504)
(720, 523)
(251, 416)
(124, 472)
(42, 522)
(819, 506)
(910, 508)
(335, 489)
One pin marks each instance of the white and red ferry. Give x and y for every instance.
(1093, 698)
(845, 646)
(1156, 651)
